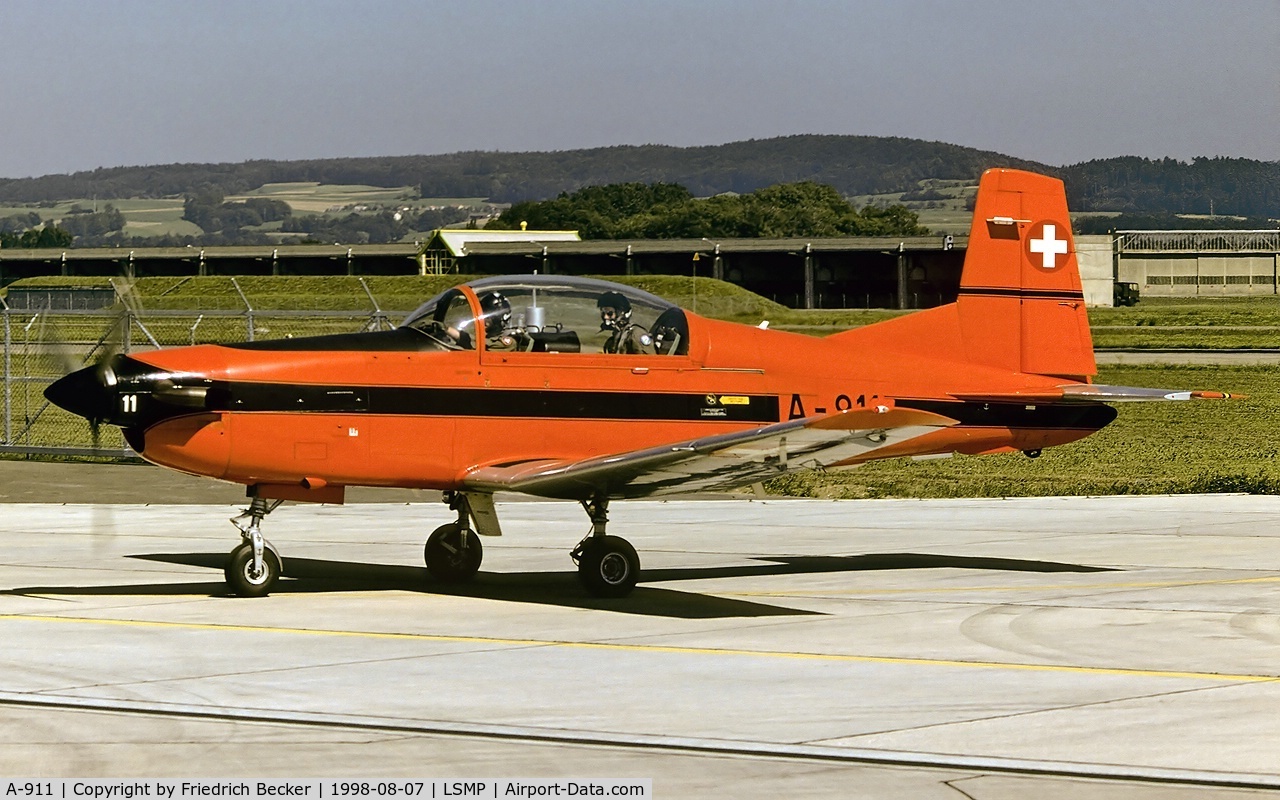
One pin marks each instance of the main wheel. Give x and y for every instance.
(453, 553)
(608, 566)
(241, 576)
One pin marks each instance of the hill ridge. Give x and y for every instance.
(852, 164)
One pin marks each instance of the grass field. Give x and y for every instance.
(1190, 323)
(1151, 448)
(399, 293)
(1155, 323)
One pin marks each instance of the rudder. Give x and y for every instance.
(1021, 305)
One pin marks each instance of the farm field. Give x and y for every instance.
(316, 198)
(163, 216)
(942, 209)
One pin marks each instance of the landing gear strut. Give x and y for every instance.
(254, 565)
(607, 565)
(453, 552)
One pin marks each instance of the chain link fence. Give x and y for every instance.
(42, 345)
(51, 331)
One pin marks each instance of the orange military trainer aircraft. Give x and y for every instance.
(586, 390)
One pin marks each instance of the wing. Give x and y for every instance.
(715, 463)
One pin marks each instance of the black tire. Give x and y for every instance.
(448, 560)
(608, 566)
(239, 571)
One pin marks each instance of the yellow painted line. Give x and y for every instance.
(650, 648)
(1007, 588)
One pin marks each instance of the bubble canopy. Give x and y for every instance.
(553, 313)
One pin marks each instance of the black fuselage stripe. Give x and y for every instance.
(1029, 294)
(1039, 416)
(649, 406)
(532, 403)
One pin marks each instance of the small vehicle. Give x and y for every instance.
(1126, 293)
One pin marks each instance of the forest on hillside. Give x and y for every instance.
(669, 211)
(1235, 186)
(851, 166)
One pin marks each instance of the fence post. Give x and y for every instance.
(248, 309)
(26, 361)
(377, 316)
(808, 276)
(8, 381)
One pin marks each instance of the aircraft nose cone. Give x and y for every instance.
(83, 392)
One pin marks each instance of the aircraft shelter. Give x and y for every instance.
(853, 272)
(861, 272)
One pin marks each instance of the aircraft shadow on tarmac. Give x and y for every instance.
(308, 575)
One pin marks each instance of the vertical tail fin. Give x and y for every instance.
(1021, 306)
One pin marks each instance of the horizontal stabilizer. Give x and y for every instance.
(1092, 393)
(1135, 394)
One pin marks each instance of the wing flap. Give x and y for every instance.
(714, 463)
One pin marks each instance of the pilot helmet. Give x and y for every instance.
(615, 310)
(495, 309)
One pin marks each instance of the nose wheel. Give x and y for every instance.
(254, 565)
(247, 579)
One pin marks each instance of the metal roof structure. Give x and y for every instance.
(221, 252)
(459, 241)
(628, 247)
(1199, 241)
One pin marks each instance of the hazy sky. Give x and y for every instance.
(97, 83)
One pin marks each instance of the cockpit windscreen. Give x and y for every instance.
(542, 313)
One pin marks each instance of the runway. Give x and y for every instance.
(1111, 647)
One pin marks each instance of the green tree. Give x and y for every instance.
(88, 223)
(669, 211)
(49, 236)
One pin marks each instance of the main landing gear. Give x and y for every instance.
(607, 565)
(453, 552)
(254, 565)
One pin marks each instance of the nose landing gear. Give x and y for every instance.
(453, 552)
(254, 565)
